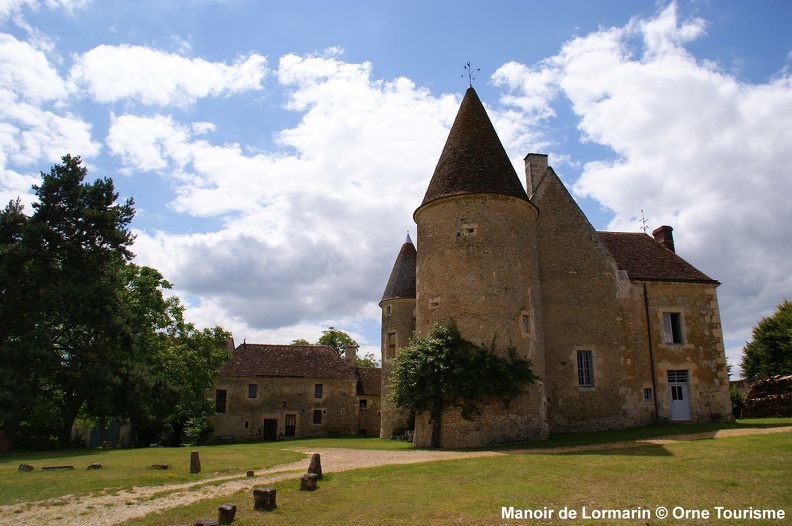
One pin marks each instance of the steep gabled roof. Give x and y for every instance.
(645, 259)
(401, 283)
(473, 159)
(287, 361)
(369, 381)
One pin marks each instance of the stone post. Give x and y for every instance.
(195, 463)
(226, 513)
(264, 499)
(308, 482)
(316, 465)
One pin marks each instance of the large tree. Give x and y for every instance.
(445, 370)
(770, 351)
(338, 340)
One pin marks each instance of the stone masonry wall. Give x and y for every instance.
(278, 397)
(398, 327)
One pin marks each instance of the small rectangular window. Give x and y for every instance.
(672, 327)
(318, 389)
(526, 324)
(220, 401)
(585, 369)
(647, 395)
(387, 310)
(252, 390)
(317, 416)
(391, 351)
(364, 405)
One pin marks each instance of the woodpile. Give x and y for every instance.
(769, 398)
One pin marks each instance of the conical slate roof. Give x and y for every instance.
(473, 159)
(401, 283)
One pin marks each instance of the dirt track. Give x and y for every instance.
(105, 510)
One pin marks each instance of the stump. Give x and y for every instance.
(226, 513)
(315, 466)
(264, 499)
(94, 466)
(250, 473)
(195, 463)
(25, 468)
(308, 482)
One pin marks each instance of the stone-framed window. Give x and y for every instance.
(363, 404)
(317, 415)
(672, 328)
(252, 390)
(647, 394)
(318, 390)
(387, 310)
(391, 345)
(585, 369)
(220, 400)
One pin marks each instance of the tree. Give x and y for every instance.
(338, 340)
(770, 351)
(300, 341)
(444, 370)
(368, 360)
(172, 366)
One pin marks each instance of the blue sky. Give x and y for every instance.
(277, 150)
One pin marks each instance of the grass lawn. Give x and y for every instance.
(737, 472)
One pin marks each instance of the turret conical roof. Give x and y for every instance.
(473, 159)
(401, 283)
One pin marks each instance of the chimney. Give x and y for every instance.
(350, 356)
(535, 169)
(230, 344)
(664, 236)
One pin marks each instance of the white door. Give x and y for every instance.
(679, 395)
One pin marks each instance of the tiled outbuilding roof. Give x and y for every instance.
(287, 361)
(369, 382)
(401, 283)
(473, 159)
(645, 259)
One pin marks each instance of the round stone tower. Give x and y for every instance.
(477, 265)
(398, 326)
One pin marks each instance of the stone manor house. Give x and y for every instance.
(622, 331)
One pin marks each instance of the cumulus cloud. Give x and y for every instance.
(12, 7)
(113, 73)
(310, 231)
(695, 147)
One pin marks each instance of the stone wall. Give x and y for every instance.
(278, 397)
(398, 326)
(476, 264)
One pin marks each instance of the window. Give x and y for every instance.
(585, 369)
(364, 405)
(647, 395)
(391, 352)
(317, 416)
(220, 401)
(252, 390)
(387, 310)
(318, 388)
(672, 327)
(525, 322)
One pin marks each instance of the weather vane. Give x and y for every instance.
(644, 222)
(470, 72)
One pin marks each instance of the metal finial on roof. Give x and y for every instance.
(470, 72)
(644, 222)
(408, 240)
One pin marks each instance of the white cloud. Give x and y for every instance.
(113, 73)
(696, 148)
(13, 7)
(26, 72)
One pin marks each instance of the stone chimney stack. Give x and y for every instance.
(230, 344)
(535, 169)
(664, 236)
(350, 356)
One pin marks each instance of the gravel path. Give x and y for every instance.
(106, 510)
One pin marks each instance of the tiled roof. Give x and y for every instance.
(369, 383)
(401, 283)
(645, 259)
(287, 361)
(473, 159)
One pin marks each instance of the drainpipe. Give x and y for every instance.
(651, 354)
